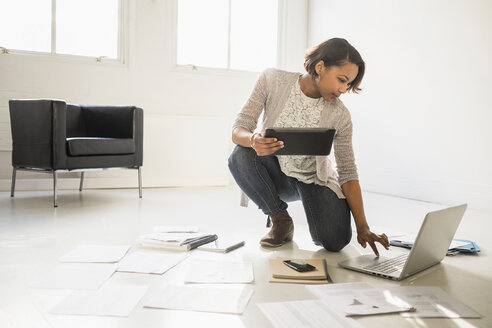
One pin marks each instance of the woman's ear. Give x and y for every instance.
(319, 67)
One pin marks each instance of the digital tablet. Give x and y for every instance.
(303, 141)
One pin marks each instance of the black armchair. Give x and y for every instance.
(53, 136)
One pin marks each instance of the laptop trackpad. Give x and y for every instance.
(371, 262)
(362, 261)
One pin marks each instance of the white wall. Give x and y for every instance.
(422, 122)
(186, 113)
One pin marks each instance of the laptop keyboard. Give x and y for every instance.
(388, 266)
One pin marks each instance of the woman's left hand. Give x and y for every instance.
(366, 236)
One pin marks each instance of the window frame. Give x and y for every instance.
(123, 41)
(196, 69)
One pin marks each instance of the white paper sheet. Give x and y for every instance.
(210, 272)
(430, 302)
(110, 300)
(146, 262)
(306, 314)
(76, 276)
(176, 229)
(96, 254)
(4, 322)
(220, 299)
(354, 299)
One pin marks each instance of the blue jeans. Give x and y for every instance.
(262, 180)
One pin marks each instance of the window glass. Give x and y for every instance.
(232, 34)
(253, 34)
(87, 27)
(25, 25)
(203, 28)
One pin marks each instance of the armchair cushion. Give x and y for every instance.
(84, 146)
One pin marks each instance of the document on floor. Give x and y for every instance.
(96, 254)
(150, 262)
(76, 276)
(357, 299)
(306, 314)
(176, 229)
(110, 300)
(430, 302)
(219, 272)
(4, 321)
(27, 312)
(176, 241)
(219, 299)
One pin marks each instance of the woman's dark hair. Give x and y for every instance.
(335, 52)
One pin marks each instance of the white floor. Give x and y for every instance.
(33, 235)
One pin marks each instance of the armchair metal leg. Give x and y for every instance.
(81, 180)
(54, 190)
(12, 189)
(139, 182)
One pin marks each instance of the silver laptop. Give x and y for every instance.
(430, 247)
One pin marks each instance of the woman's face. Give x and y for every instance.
(333, 81)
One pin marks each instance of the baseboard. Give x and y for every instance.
(477, 196)
(108, 183)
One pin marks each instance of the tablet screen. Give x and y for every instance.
(303, 141)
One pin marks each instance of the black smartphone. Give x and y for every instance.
(299, 266)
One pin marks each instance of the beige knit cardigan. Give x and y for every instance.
(269, 96)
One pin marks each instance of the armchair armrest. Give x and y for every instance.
(138, 136)
(38, 132)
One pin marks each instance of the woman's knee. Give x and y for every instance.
(336, 241)
(334, 245)
(239, 157)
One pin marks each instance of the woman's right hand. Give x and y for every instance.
(265, 146)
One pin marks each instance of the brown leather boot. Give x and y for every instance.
(281, 232)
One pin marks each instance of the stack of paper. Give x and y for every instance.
(176, 241)
(279, 272)
(468, 247)
(176, 229)
(457, 245)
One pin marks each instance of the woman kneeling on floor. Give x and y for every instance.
(309, 100)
